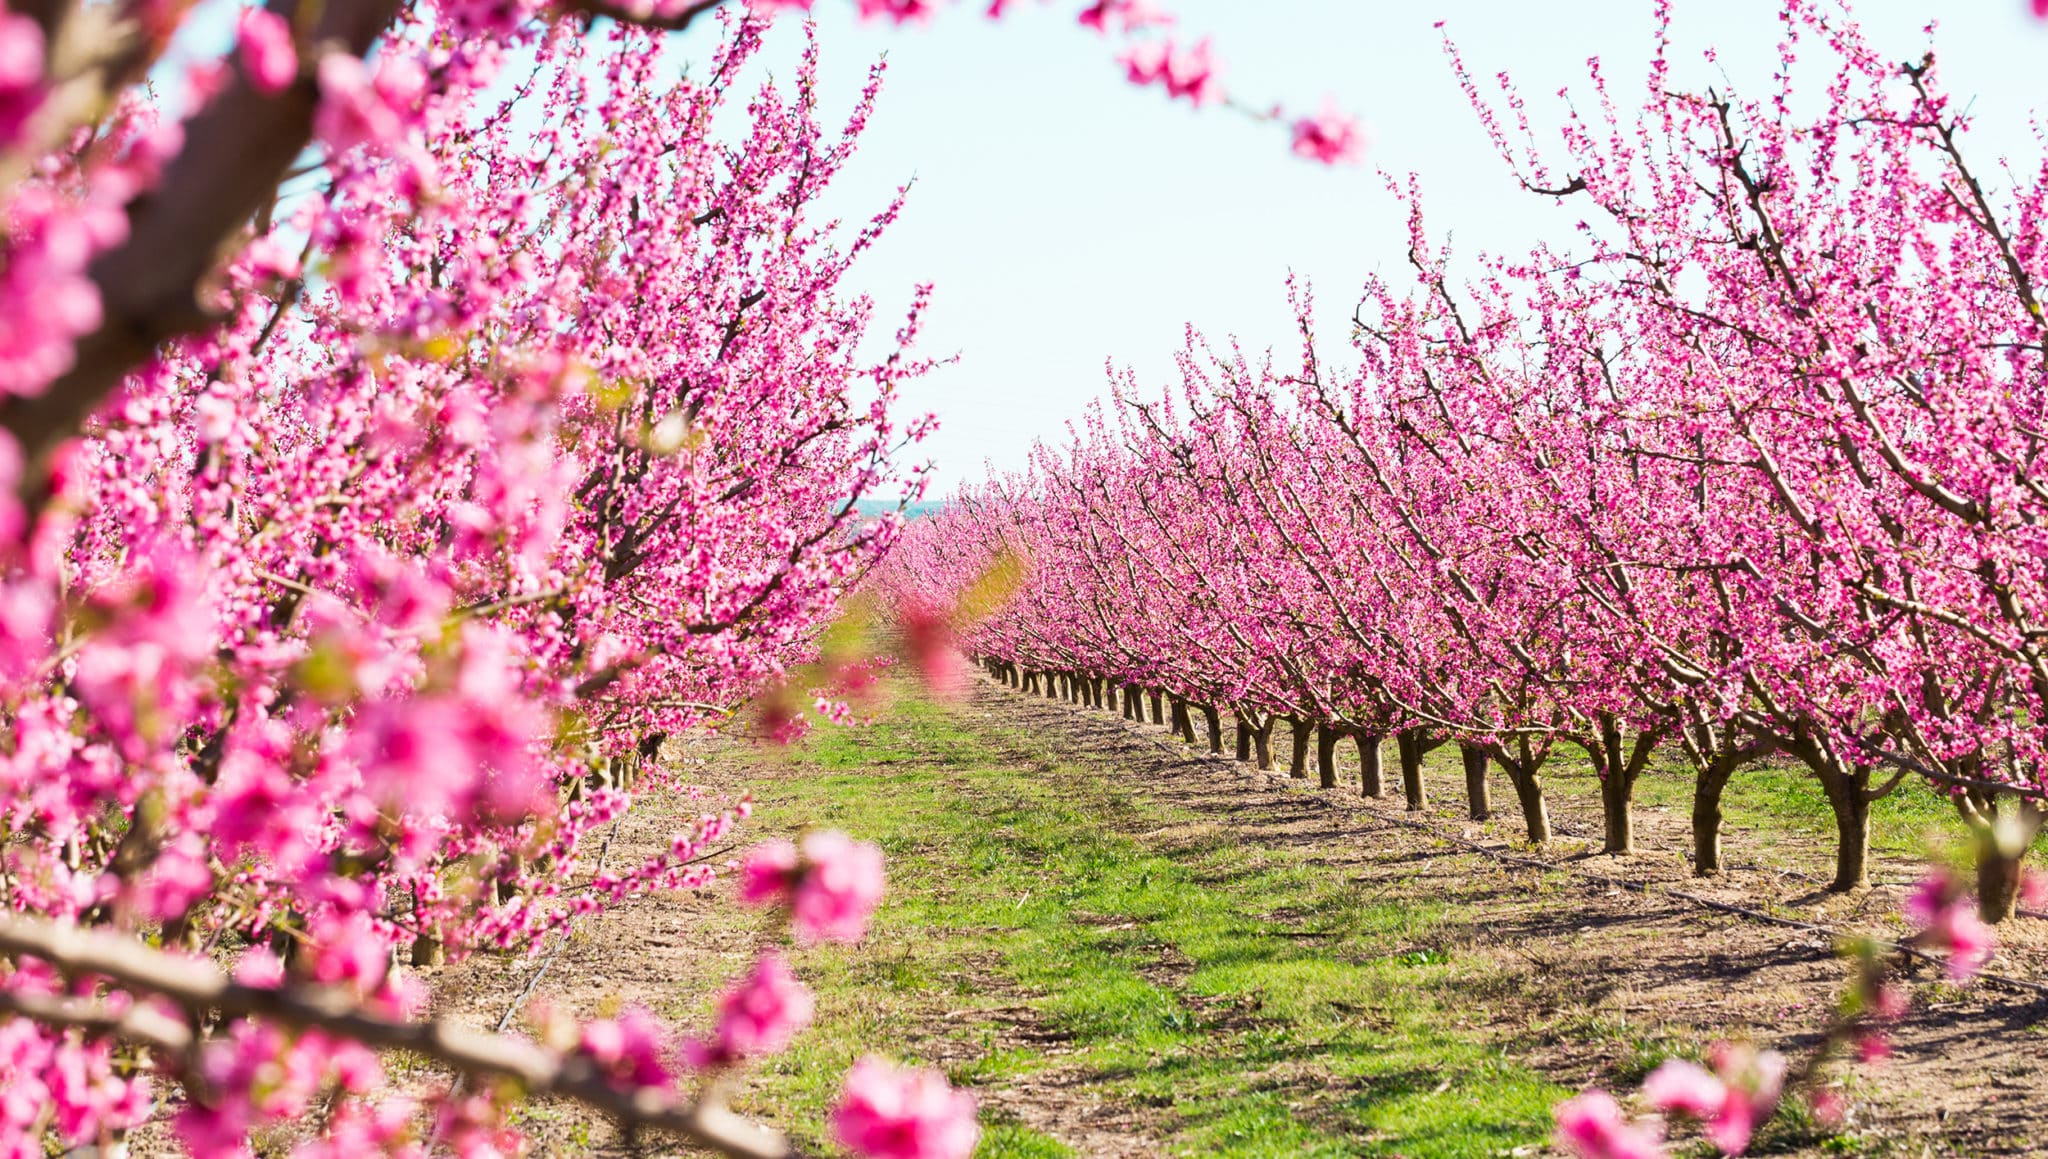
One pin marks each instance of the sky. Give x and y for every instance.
(1069, 220)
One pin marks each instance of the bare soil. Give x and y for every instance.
(1593, 960)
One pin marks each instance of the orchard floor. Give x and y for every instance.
(1128, 947)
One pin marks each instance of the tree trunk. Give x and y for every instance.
(1617, 791)
(1183, 724)
(427, 950)
(1706, 815)
(2005, 828)
(1158, 707)
(1262, 743)
(1618, 821)
(1326, 755)
(1215, 724)
(1297, 766)
(1535, 813)
(1030, 681)
(1852, 830)
(1409, 743)
(1522, 769)
(1475, 781)
(1244, 737)
(1998, 882)
(1369, 766)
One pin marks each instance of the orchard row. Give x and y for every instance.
(1751, 469)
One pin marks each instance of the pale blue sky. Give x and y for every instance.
(1067, 218)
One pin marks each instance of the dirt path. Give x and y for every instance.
(1588, 981)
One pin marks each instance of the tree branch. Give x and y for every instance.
(197, 986)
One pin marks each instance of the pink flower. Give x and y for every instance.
(357, 108)
(1134, 14)
(631, 1049)
(769, 873)
(1145, 62)
(831, 885)
(891, 1113)
(1685, 1087)
(928, 638)
(1741, 1093)
(841, 886)
(21, 74)
(1947, 915)
(762, 1013)
(901, 11)
(1592, 1126)
(1967, 939)
(1331, 137)
(1193, 73)
(264, 40)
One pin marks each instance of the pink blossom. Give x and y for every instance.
(1732, 1102)
(1193, 73)
(21, 74)
(1947, 916)
(840, 887)
(761, 1014)
(901, 11)
(1685, 1087)
(2033, 883)
(1145, 61)
(1134, 15)
(928, 638)
(631, 1049)
(268, 54)
(1331, 137)
(1592, 1126)
(769, 874)
(887, 1112)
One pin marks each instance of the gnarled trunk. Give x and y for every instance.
(1262, 743)
(1158, 707)
(1244, 737)
(1297, 766)
(1215, 723)
(1183, 724)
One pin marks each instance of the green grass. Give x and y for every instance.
(1239, 1000)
